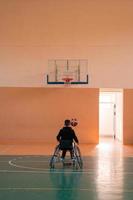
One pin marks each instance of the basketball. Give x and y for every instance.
(74, 122)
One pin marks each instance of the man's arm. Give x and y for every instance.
(59, 136)
(75, 138)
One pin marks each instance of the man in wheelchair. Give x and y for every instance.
(65, 137)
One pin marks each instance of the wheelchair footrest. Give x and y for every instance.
(67, 163)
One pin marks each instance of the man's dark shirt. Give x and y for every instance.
(67, 133)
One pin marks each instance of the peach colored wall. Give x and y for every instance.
(33, 31)
(36, 114)
(128, 117)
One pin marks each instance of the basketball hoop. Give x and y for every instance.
(67, 80)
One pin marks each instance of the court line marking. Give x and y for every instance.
(44, 172)
(48, 160)
(44, 189)
(66, 189)
(24, 167)
(90, 171)
(28, 161)
(37, 169)
(49, 171)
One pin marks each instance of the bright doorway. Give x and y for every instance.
(111, 114)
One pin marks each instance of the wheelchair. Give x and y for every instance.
(76, 160)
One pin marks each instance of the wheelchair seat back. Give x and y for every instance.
(66, 144)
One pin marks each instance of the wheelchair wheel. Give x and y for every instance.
(55, 157)
(78, 156)
(51, 164)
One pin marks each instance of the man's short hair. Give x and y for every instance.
(67, 122)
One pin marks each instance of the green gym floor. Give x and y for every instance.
(107, 174)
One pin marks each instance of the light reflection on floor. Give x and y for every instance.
(109, 169)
